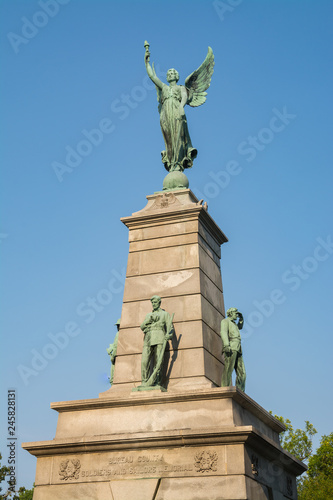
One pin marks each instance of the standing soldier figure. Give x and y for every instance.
(112, 352)
(158, 329)
(232, 349)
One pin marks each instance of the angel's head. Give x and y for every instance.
(172, 75)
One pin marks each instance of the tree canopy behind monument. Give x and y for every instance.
(317, 483)
(298, 442)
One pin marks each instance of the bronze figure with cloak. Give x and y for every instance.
(172, 98)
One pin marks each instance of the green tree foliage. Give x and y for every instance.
(3, 473)
(318, 482)
(21, 494)
(24, 494)
(322, 461)
(297, 441)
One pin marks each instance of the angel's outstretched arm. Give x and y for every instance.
(151, 72)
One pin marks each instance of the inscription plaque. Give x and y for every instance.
(175, 463)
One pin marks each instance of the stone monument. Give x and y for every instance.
(189, 438)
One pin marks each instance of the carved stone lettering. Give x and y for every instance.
(121, 460)
(159, 469)
(150, 458)
(105, 467)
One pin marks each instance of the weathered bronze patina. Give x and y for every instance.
(232, 349)
(158, 329)
(179, 152)
(112, 352)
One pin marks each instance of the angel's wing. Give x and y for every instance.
(158, 90)
(199, 81)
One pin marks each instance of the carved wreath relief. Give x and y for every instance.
(69, 469)
(164, 200)
(206, 461)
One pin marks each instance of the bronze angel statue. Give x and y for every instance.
(179, 152)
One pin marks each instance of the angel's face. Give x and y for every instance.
(172, 75)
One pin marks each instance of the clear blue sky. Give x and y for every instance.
(268, 110)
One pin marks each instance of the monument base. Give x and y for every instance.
(197, 441)
(215, 444)
(149, 388)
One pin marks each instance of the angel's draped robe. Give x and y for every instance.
(179, 153)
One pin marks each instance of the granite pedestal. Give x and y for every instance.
(196, 441)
